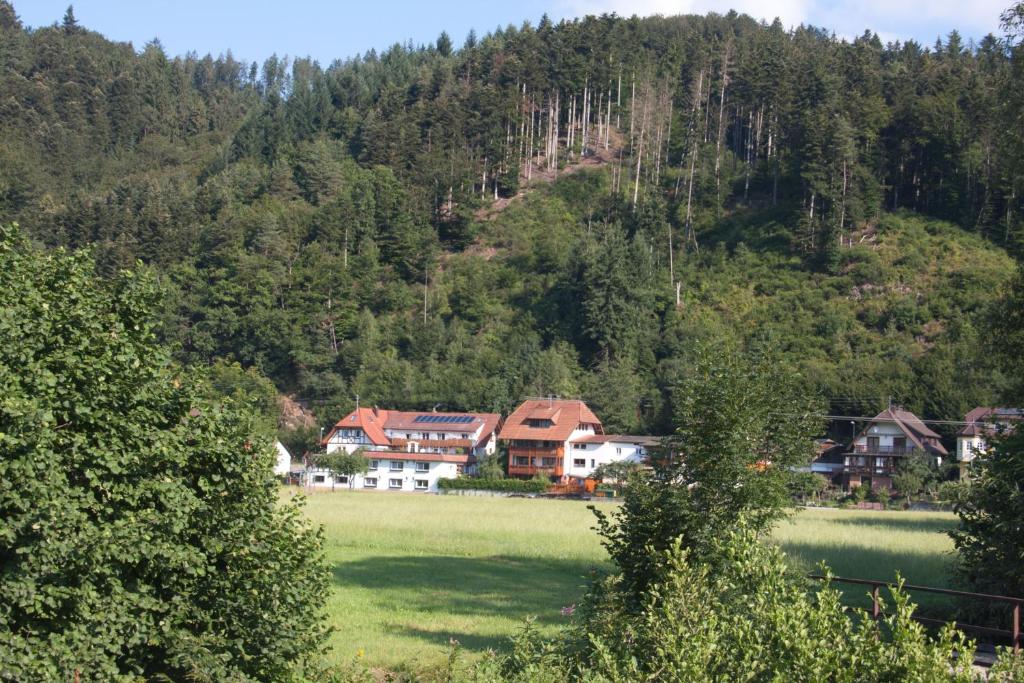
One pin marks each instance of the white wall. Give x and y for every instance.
(284, 460)
(383, 473)
(968, 447)
(885, 431)
(596, 454)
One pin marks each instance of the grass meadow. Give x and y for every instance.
(412, 571)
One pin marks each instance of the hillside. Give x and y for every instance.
(517, 216)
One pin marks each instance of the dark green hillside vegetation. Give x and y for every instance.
(544, 209)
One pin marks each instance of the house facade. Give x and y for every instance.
(408, 450)
(982, 423)
(564, 440)
(283, 464)
(872, 457)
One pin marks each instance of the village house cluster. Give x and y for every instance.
(411, 450)
(872, 456)
(564, 441)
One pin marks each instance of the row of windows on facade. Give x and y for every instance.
(399, 465)
(371, 482)
(438, 436)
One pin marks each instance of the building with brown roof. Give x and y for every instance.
(564, 440)
(411, 450)
(540, 433)
(871, 458)
(982, 424)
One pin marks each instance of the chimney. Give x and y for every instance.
(376, 411)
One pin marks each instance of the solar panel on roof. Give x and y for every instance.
(444, 419)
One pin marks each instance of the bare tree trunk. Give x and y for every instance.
(640, 149)
(721, 130)
(618, 102)
(842, 206)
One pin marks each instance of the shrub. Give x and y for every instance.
(745, 617)
(506, 485)
(141, 536)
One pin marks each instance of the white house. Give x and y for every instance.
(284, 460)
(589, 452)
(409, 451)
(982, 423)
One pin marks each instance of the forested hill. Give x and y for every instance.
(570, 208)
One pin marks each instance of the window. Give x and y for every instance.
(618, 451)
(521, 461)
(426, 435)
(579, 462)
(394, 483)
(396, 465)
(581, 446)
(408, 436)
(423, 467)
(421, 484)
(341, 479)
(593, 462)
(465, 436)
(318, 479)
(370, 483)
(548, 462)
(374, 464)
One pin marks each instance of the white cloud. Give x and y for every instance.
(891, 19)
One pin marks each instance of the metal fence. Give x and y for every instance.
(1013, 634)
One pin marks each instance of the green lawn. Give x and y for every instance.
(412, 571)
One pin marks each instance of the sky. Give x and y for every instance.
(326, 29)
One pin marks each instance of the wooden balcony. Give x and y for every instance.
(887, 467)
(528, 462)
(867, 449)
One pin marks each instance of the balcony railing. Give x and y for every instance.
(531, 470)
(884, 450)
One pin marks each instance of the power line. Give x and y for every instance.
(861, 418)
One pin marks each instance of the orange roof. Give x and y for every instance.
(370, 420)
(565, 415)
(374, 421)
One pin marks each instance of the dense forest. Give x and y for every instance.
(572, 208)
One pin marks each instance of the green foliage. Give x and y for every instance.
(749, 618)
(343, 464)
(481, 484)
(140, 531)
(990, 538)
(324, 225)
(914, 474)
(744, 425)
(617, 473)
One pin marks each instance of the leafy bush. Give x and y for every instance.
(745, 617)
(141, 536)
(479, 484)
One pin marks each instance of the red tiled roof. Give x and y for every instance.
(370, 420)
(374, 421)
(492, 421)
(988, 417)
(565, 415)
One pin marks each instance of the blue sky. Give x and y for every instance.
(254, 29)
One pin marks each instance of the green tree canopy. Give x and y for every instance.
(140, 530)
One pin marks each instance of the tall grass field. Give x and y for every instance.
(412, 571)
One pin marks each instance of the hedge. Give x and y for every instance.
(507, 485)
